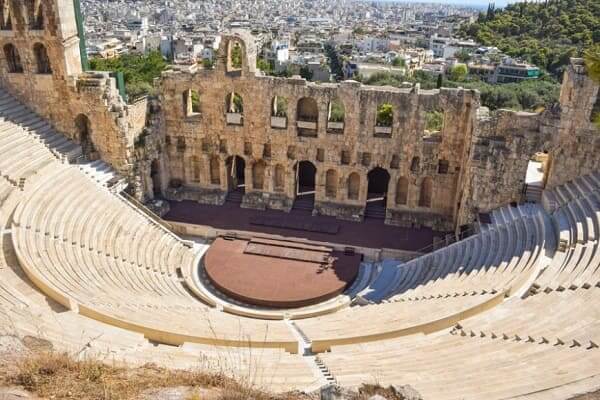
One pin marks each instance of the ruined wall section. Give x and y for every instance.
(192, 140)
(65, 92)
(503, 144)
(577, 148)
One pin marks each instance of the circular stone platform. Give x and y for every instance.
(278, 274)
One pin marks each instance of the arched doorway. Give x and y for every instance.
(306, 173)
(155, 177)
(236, 178)
(377, 189)
(84, 135)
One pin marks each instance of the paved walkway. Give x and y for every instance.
(371, 233)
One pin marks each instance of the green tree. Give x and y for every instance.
(546, 34)
(385, 115)
(463, 56)
(264, 66)
(207, 63)
(440, 81)
(592, 62)
(336, 113)
(459, 72)
(306, 73)
(398, 62)
(434, 120)
(138, 70)
(236, 56)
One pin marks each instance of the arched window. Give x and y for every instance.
(5, 15)
(279, 178)
(415, 164)
(402, 191)
(426, 192)
(307, 110)
(384, 120)
(279, 107)
(331, 184)
(195, 162)
(335, 116)
(41, 59)
(234, 56)
(13, 60)
(191, 102)
(307, 116)
(353, 186)
(258, 175)
(84, 135)
(35, 14)
(234, 109)
(215, 170)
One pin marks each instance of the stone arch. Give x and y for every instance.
(415, 164)
(235, 56)
(236, 173)
(5, 15)
(402, 191)
(331, 183)
(279, 107)
(35, 14)
(279, 178)
(426, 193)
(215, 170)
(379, 179)
(234, 103)
(353, 186)
(258, 175)
(196, 168)
(41, 58)
(13, 60)
(155, 177)
(307, 110)
(191, 102)
(84, 136)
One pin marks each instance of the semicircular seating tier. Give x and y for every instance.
(501, 314)
(543, 344)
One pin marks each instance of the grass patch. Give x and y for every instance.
(59, 376)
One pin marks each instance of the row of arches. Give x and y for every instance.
(305, 172)
(15, 65)
(307, 109)
(34, 10)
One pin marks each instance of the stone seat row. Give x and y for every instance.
(14, 114)
(577, 265)
(491, 261)
(570, 318)
(446, 366)
(113, 231)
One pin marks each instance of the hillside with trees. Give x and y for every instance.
(545, 33)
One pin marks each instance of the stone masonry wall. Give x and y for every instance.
(193, 140)
(66, 92)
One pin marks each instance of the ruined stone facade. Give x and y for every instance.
(214, 132)
(42, 39)
(419, 172)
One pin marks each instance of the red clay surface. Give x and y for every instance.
(274, 281)
(372, 233)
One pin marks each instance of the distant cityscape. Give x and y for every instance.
(302, 37)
